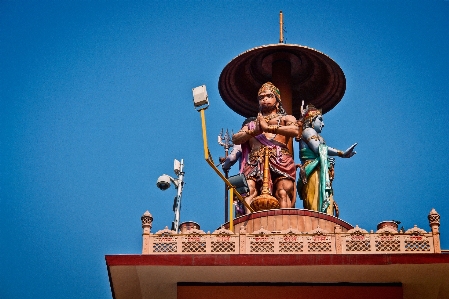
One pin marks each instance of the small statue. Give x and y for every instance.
(317, 169)
(269, 133)
(236, 153)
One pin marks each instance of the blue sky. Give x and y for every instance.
(96, 103)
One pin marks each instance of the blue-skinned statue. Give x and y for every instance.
(317, 165)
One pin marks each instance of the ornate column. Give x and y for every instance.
(337, 231)
(242, 239)
(434, 222)
(147, 223)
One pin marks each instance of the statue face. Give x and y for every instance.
(267, 100)
(318, 123)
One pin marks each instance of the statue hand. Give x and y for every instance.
(350, 151)
(262, 123)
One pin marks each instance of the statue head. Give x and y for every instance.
(313, 118)
(269, 90)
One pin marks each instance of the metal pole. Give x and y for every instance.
(226, 192)
(231, 219)
(177, 205)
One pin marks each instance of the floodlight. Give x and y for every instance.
(200, 98)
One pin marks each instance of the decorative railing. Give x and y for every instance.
(195, 241)
(318, 241)
(387, 240)
(288, 242)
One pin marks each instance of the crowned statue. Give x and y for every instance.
(266, 161)
(317, 165)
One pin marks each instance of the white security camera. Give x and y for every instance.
(163, 182)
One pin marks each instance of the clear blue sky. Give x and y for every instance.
(96, 102)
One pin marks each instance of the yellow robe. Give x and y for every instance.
(310, 193)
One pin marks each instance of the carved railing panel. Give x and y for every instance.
(320, 241)
(224, 242)
(356, 241)
(418, 241)
(387, 243)
(193, 243)
(417, 244)
(291, 243)
(260, 244)
(320, 244)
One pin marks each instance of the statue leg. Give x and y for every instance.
(252, 193)
(285, 193)
(310, 192)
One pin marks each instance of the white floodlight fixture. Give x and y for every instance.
(200, 98)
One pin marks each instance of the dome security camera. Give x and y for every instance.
(163, 182)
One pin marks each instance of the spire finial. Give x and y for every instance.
(281, 26)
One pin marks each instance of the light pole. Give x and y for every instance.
(163, 183)
(201, 103)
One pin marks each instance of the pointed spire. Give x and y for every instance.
(281, 26)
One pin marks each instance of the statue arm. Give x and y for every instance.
(232, 158)
(312, 139)
(245, 134)
(346, 154)
(289, 129)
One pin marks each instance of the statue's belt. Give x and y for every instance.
(308, 154)
(273, 151)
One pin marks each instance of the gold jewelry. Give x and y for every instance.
(270, 86)
(259, 153)
(314, 137)
(270, 117)
(272, 129)
(340, 153)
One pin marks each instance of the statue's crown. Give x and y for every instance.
(270, 86)
(310, 113)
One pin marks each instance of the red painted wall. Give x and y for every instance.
(289, 292)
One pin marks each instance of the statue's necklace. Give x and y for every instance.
(270, 117)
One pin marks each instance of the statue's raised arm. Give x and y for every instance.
(317, 168)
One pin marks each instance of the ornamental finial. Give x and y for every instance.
(147, 220)
(434, 218)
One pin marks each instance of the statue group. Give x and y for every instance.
(262, 148)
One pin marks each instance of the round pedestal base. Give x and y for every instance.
(265, 202)
(282, 219)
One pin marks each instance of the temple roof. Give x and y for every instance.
(316, 78)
